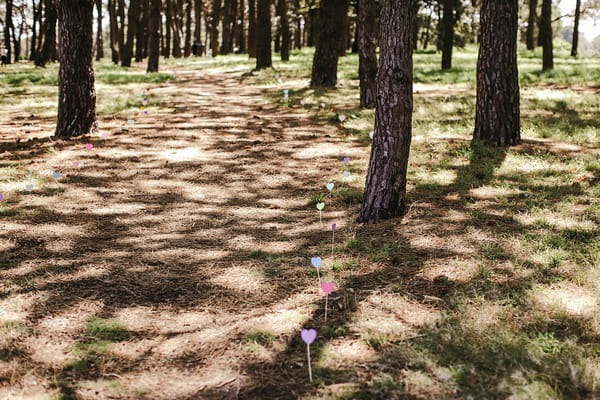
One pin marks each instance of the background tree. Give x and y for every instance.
(367, 57)
(385, 187)
(546, 35)
(497, 113)
(327, 52)
(214, 27)
(99, 42)
(252, 28)
(114, 31)
(450, 13)
(284, 24)
(153, 38)
(576, 18)
(263, 34)
(76, 93)
(531, 21)
(8, 30)
(47, 51)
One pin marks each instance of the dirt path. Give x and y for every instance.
(159, 227)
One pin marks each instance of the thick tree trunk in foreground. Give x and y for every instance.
(546, 35)
(76, 93)
(325, 60)
(385, 188)
(497, 118)
(99, 41)
(367, 57)
(153, 35)
(285, 30)
(263, 34)
(575, 42)
(531, 19)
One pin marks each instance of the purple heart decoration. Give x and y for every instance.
(333, 226)
(75, 164)
(1, 197)
(29, 187)
(308, 335)
(346, 160)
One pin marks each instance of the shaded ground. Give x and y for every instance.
(174, 261)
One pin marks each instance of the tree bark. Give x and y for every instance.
(449, 9)
(48, 48)
(282, 10)
(121, 27)
(367, 56)
(298, 27)
(325, 60)
(497, 115)
(385, 187)
(176, 26)
(153, 35)
(8, 27)
(214, 27)
(187, 47)
(114, 31)
(198, 21)
(546, 34)
(167, 29)
(263, 34)
(133, 13)
(531, 19)
(240, 35)
(99, 42)
(141, 39)
(35, 23)
(343, 28)
(575, 42)
(230, 8)
(252, 28)
(76, 93)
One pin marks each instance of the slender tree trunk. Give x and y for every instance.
(427, 30)
(497, 115)
(34, 24)
(8, 27)
(367, 57)
(153, 35)
(187, 48)
(310, 28)
(531, 19)
(343, 22)
(263, 34)
(76, 93)
(114, 31)
(198, 21)
(385, 187)
(447, 32)
(546, 27)
(241, 36)
(140, 38)
(176, 25)
(167, 28)
(298, 28)
(99, 42)
(48, 48)
(285, 30)
(325, 60)
(121, 27)
(133, 14)
(252, 28)
(214, 27)
(576, 29)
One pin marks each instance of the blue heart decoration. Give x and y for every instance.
(316, 262)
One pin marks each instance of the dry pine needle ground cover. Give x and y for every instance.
(173, 262)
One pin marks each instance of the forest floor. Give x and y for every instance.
(173, 260)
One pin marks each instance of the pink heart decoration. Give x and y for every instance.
(328, 287)
(75, 164)
(89, 146)
(308, 335)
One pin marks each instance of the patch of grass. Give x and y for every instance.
(348, 194)
(259, 337)
(340, 266)
(124, 78)
(315, 198)
(106, 329)
(357, 243)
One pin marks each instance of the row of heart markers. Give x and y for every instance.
(309, 335)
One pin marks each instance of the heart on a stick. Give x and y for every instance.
(308, 335)
(320, 206)
(328, 287)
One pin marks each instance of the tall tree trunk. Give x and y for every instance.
(447, 31)
(576, 29)
(325, 60)
(385, 187)
(167, 28)
(214, 27)
(121, 27)
(240, 35)
(99, 42)
(367, 57)
(263, 34)
(497, 115)
(34, 25)
(313, 25)
(531, 19)
(187, 48)
(546, 28)
(176, 25)
(298, 27)
(48, 48)
(285, 29)
(114, 31)
(230, 7)
(252, 28)
(153, 35)
(133, 14)
(8, 27)
(427, 30)
(343, 21)
(76, 93)
(198, 21)
(140, 38)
